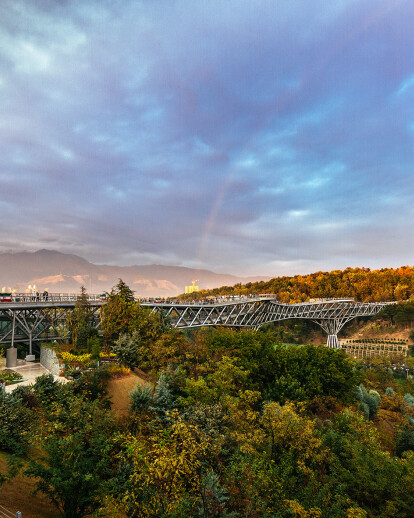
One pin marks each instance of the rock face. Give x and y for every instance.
(63, 273)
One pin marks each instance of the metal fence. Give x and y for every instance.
(48, 297)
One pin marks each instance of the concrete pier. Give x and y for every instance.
(11, 357)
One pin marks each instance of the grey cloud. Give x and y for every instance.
(236, 135)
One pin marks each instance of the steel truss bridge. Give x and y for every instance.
(35, 318)
(330, 314)
(29, 319)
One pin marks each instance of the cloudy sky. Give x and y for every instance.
(250, 137)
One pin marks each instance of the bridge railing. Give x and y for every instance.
(221, 299)
(47, 297)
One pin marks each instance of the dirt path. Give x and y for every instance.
(119, 390)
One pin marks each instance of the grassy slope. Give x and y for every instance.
(119, 390)
(17, 496)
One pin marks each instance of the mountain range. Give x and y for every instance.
(66, 273)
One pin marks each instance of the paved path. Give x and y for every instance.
(30, 371)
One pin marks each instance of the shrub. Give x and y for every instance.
(26, 395)
(141, 398)
(46, 389)
(83, 358)
(92, 385)
(127, 348)
(94, 347)
(9, 377)
(15, 422)
(368, 401)
(408, 398)
(118, 370)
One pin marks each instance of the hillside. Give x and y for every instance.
(67, 272)
(363, 284)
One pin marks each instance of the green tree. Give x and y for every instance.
(303, 373)
(167, 471)
(16, 421)
(128, 349)
(123, 291)
(79, 321)
(75, 459)
(367, 476)
(122, 315)
(163, 401)
(368, 401)
(141, 398)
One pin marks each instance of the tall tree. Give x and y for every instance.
(123, 290)
(123, 315)
(79, 319)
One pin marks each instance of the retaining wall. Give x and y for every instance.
(49, 360)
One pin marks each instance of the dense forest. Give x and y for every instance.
(363, 284)
(221, 423)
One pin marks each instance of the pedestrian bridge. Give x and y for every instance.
(29, 318)
(330, 314)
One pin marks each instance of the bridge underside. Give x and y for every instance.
(37, 324)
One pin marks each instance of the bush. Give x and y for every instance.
(369, 401)
(303, 373)
(85, 333)
(46, 389)
(118, 370)
(408, 398)
(9, 377)
(94, 347)
(126, 349)
(26, 395)
(141, 398)
(15, 422)
(92, 385)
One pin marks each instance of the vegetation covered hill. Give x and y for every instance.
(230, 424)
(387, 284)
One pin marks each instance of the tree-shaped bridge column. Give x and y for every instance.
(332, 327)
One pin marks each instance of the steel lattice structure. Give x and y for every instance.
(32, 320)
(331, 315)
(29, 319)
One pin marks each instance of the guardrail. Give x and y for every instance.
(73, 297)
(5, 513)
(47, 297)
(220, 299)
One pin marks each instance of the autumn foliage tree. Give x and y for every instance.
(387, 284)
(123, 315)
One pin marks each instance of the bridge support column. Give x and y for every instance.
(332, 342)
(13, 329)
(30, 357)
(11, 357)
(332, 326)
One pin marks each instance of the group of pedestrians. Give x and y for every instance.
(32, 296)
